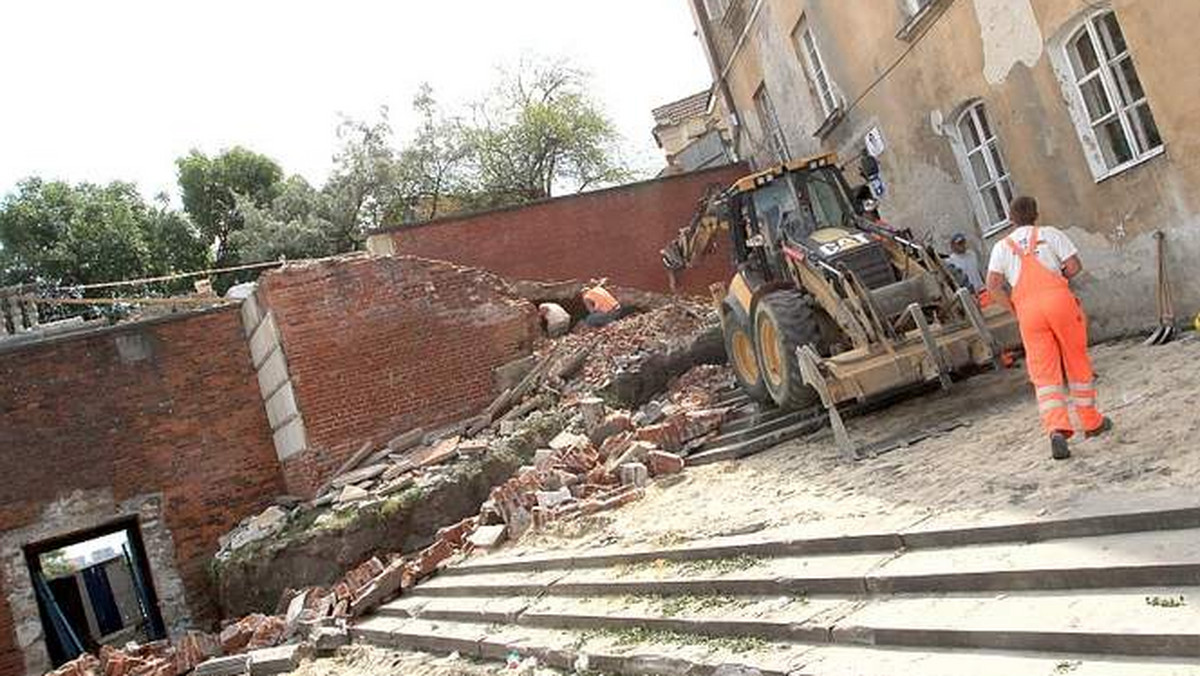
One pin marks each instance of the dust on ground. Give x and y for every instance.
(365, 660)
(999, 462)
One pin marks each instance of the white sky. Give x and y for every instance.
(118, 89)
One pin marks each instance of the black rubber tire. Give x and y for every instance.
(795, 323)
(751, 383)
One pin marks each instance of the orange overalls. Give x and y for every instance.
(1054, 332)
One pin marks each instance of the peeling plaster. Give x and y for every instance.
(1010, 34)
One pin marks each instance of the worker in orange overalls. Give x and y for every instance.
(602, 307)
(1035, 263)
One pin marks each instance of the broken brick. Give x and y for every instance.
(614, 423)
(662, 462)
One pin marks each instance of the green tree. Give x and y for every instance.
(58, 234)
(540, 130)
(210, 186)
(295, 225)
(432, 165)
(365, 189)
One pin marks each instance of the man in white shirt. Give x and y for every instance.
(965, 261)
(1028, 274)
(555, 319)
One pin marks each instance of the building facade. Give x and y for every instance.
(966, 103)
(693, 134)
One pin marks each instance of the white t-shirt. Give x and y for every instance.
(968, 264)
(1053, 247)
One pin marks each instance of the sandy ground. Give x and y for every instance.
(998, 463)
(364, 660)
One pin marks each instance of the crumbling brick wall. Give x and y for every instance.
(165, 407)
(615, 233)
(380, 345)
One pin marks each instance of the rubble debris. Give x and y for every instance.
(231, 665)
(352, 493)
(661, 463)
(326, 640)
(634, 474)
(276, 660)
(487, 537)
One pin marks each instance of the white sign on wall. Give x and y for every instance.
(875, 143)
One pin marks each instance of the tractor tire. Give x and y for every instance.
(783, 321)
(743, 357)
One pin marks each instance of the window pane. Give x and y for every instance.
(980, 169)
(1008, 193)
(1095, 98)
(1127, 80)
(1113, 143)
(1112, 38)
(997, 161)
(970, 136)
(1083, 55)
(1147, 131)
(994, 205)
(983, 121)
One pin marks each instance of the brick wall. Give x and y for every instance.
(379, 345)
(615, 233)
(167, 406)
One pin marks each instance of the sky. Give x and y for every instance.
(116, 90)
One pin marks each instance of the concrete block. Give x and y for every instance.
(231, 665)
(278, 660)
(634, 474)
(487, 537)
(264, 340)
(290, 439)
(507, 376)
(281, 406)
(329, 639)
(251, 314)
(272, 373)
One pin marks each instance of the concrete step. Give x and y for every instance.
(853, 536)
(1155, 558)
(640, 650)
(1114, 623)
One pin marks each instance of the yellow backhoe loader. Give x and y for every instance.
(828, 306)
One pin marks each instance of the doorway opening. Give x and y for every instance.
(94, 588)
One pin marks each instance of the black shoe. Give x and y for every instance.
(1105, 425)
(1058, 446)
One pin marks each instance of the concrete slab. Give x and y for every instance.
(439, 637)
(866, 661)
(264, 340)
(1161, 622)
(1136, 559)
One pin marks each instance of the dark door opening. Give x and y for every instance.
(94, 588)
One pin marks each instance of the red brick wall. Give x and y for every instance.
(615, 233)
(378, 346)
(184, 419)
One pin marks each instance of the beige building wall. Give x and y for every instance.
(1009, 55)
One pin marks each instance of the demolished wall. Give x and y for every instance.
(376, 346)
(615, 233)
(159, 419)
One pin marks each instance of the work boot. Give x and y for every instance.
(1058, 446)
(1106, 424)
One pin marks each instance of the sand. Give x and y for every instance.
(998, 463)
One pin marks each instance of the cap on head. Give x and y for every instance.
(957, 237)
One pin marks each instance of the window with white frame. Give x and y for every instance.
(982, 158)
(1118, 117)
(814, 65)
(769, 122)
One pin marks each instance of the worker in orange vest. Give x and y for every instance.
(602, 307)
(1028, 273)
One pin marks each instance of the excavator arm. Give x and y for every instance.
(699, 236)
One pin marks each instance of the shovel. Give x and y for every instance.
(1165, 332)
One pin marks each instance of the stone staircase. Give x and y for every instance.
(1115, 593)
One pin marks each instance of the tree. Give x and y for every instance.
(538, 131)
(58, 234)
(295, 225)
(365, 189)
(210, 186)
(432, 165)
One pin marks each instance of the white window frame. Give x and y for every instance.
(1073, 83)
(768, 119)
(974, 114)
(827, 94)
(914, 7)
